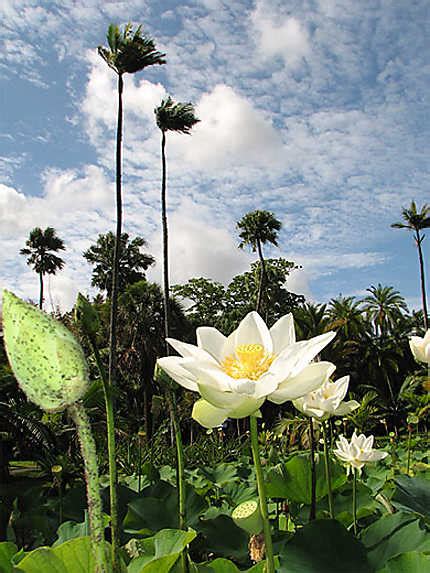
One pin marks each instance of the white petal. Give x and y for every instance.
(229, 346)
(209, 374)
(418, 348)
(247, 407)
(173, 366)
(207, 415)
(253, 330)
(268, 383)
(295, 357)
(212, 341)
(220, 399)
(309, 379)
(341, 386)
(282, 333)
(243, 386)
(345, 408)
(190, 351)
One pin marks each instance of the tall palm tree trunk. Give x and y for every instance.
(170, 395)
(41, 290)
(166, 286)
(262, 277)
(419, 240)
(110, 417)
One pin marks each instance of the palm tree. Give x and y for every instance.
(132, 263)
(416, 221)
(256, 229)
(384, 308)
(346, 316)
(178, 117)
(128, 52)
(40, 248)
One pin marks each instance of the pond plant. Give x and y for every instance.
(236, 477)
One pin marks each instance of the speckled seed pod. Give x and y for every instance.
(47, 360)
(247, 516)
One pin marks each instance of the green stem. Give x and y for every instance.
(270, 562)
(180, 471)
(354, 499)
(327, 471)
(113, 473)
(312, 513)
(89, 455)
(409, 448)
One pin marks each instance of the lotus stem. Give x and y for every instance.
(354, 500)
(312, 513)
(409, 448)
(180, 470)
(270, 562)
(327, 471)
(89, 455)
(113, 473)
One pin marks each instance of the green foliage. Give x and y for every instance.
(392, 535)
(412, 494)
(410, 562)
(129, 51)
(40, 248)
(131, 266)
(172, 116)
(7, 551)
(258, 227)
(292, 480)
(324, 546)
(160, 552)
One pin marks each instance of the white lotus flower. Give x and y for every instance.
(326, 401)
(358, 452)
(234, 375)
(420, 347)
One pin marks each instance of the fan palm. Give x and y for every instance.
(384, 308)
(178, 117)
(40, 248)
(416, 221)
(256, 229)
(129, 52)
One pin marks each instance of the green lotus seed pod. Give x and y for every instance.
(87, 316)
(47, 360)
(247, 516)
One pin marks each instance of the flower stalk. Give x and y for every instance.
(354, 500)
(327, 470)
(270, 562)
(89, 455)
(312, 513)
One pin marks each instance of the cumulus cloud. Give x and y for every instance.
(231, 132)
(278, 35)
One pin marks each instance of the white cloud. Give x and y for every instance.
(231, 132)
(279, 35)
(200, 246)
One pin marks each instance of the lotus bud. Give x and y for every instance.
(47, 360)
(247, 516)
(87, 316)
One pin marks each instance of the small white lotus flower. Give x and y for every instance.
(234, 375)
(420, 347)
(326, 401)
(358, 452)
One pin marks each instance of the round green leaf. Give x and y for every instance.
(324, 546)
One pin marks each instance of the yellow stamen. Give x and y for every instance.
(251, 361)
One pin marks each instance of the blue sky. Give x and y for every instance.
(315, 110)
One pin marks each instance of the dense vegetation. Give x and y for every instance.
(174, 476)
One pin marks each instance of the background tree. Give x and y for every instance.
(180, 118)
(255, 230)
(132, 263)
(40, 248)
(416, 221)
(384, 307)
